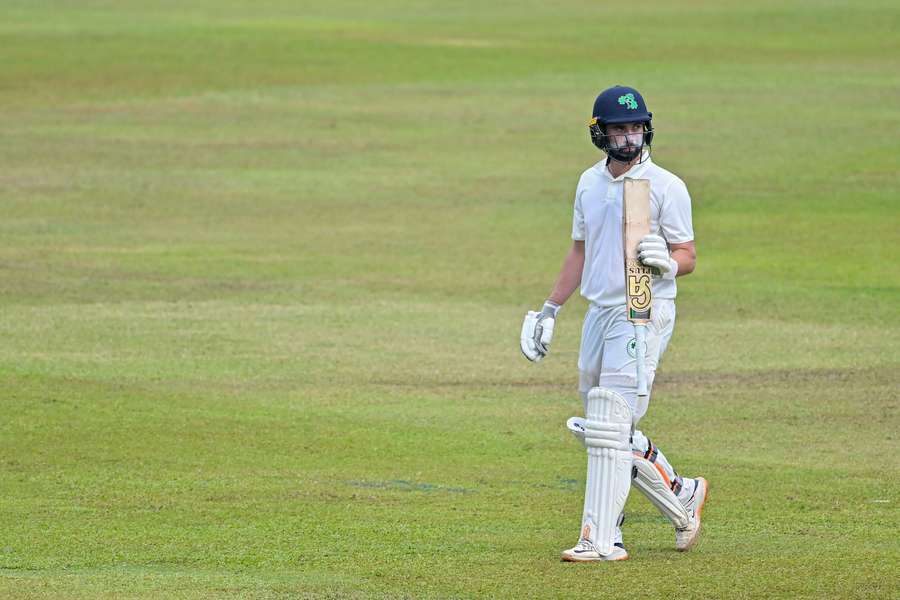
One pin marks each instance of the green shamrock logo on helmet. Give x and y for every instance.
(629, 101)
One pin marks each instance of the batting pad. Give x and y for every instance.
(607, 436)
(650, 481)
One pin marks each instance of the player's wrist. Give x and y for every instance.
(673, 269)
(550, 309)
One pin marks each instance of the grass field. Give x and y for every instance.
(264, 267)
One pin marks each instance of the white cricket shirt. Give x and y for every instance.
(598, 221)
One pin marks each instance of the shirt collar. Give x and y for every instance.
(634, 172)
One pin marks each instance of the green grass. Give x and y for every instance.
(264, 268)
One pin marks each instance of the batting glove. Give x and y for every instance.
(654, 252)
(537, 331)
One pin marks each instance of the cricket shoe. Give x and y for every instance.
(686, 538)
(587, 552)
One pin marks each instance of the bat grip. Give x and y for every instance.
(640, 354)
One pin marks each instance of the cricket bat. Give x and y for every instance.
(638, 277)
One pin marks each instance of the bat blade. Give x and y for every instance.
(636, 224)
(638, 277)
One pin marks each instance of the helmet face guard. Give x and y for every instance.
(622, 153)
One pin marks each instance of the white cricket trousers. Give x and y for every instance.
(607, 359)
(607, 356)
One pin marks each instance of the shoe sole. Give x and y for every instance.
(567, 558)
(578, 560)
(696, 537)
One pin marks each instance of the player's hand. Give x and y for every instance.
(537, 331)
(654, 252)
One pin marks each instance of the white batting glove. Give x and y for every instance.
(654, 252)
(537, 331)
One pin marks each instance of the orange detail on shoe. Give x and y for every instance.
(705, 496)
(699, 510)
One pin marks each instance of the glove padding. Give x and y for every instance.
(537, 332)
(654, 252)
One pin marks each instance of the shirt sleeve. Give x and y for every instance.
(578, 217)
(675, 218)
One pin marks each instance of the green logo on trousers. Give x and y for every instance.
(632, 348)
(629, 101)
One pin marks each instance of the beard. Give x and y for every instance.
(625, 154)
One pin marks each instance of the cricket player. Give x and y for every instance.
(619, 454)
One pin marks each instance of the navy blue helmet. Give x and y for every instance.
(620, 104)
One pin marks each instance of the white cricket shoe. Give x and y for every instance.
(586, 552)
(686, 538)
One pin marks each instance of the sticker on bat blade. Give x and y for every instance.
(639, 296)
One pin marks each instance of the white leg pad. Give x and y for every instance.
(607, 435)
(650, 482)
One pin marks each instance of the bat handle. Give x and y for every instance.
(640, 353)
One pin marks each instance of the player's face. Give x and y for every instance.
(626, 135)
